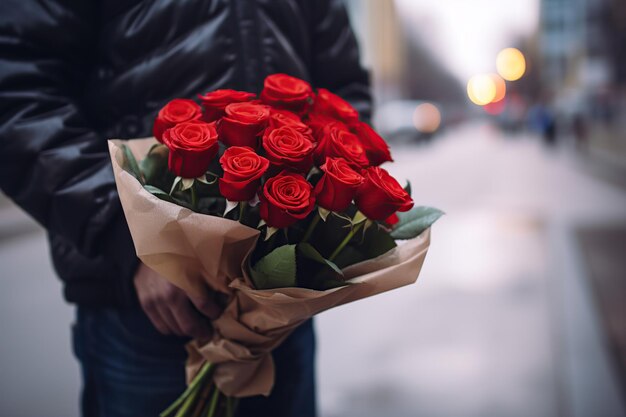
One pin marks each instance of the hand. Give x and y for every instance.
(170, 309)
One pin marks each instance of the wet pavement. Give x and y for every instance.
(502, 322)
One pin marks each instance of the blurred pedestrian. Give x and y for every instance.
(541, 119)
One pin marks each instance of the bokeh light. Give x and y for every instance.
(511, 64)
(481, 89)
(495, 107)
(500, 88)
(426, 118)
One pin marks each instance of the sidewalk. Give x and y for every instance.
(40, 376)
(13, 221)
(609, 144)
(605, 155)
(604, 248)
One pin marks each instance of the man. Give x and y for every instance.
(75, 73)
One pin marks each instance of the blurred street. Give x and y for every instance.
(503, 321)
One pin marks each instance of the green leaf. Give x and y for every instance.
(375, 242)
(187, 183)
(407, 188)
(414, 222)
(348, 256)
(177, 180)
(154, 190)
(348, 220)
(309, 252)
(358, 218)
(277, 269)
(270, 231)
(203, 179)
(154, 165)
(230, 206)
(157, 192)
(324, 280)
(131, 164)
(323, 213)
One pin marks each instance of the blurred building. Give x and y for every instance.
(402, 65)
(415, 95)
(583, 62)
(382, 42)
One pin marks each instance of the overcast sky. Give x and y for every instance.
(466, 35)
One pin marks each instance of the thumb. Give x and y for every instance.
(207, 306)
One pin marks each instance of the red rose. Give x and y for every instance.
(286, 92)
(376, 148)
(332, 105)
(318, 122)
(285, 114)
(176, 111)
(339, 143)
(192, 146)
(392, 220)
(286, 198)
(242, 124)
(286, 148)
(243, 170)
(280, 118)
(337, 187)
(380, 195)
(215, 102)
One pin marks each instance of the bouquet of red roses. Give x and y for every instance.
(277, 202)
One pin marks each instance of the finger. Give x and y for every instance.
(163, 297)
(206, 306)
(148, 301)
(156, 308)
(155, 318)
(167, 314)
(191, 322)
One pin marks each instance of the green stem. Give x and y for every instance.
(204, 396)
(311, 227)
(242, 209)
(214, 401)
(230, 410)
(345, 241)
(194, 197)
(189, 402)
(205, 370)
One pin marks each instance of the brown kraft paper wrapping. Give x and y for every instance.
(197, 253)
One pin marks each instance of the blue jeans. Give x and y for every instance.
(130, 370)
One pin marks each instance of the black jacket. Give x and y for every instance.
(74, 73)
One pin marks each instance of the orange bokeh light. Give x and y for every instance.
(500, 88)
(511, 64)
(481, 89)
(426, 118)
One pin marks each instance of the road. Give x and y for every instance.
(501, 322)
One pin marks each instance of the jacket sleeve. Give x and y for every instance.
(336, 58)
(52, 163)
